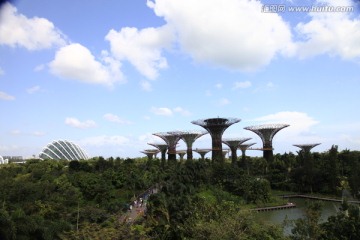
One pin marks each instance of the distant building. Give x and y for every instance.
(63, 150)
(13, 159)
(3, 161)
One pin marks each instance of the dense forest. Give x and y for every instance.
(196, 199)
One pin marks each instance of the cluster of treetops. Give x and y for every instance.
(197, 199)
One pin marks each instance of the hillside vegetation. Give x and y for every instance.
(196, 199)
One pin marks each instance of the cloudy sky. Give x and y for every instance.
(108, 74)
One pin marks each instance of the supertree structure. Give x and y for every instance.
(202, 152)
(307, 162)
(267, 132)
(171, 138)
(181, 154)
(189, 138)
(216, 128)
(224, 152)
(233, 144)
(243, 147)
(162, 148)
(150, 153)
(306, 147)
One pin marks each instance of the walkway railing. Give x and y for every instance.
(318, 198)
(265, 209)
(137, 208)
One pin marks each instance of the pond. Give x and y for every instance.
(278, 216)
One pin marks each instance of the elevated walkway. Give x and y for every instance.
(318, 198)
(265, 209)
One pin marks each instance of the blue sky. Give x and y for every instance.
(108, 74)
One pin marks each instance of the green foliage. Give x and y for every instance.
(49, 199)
(350, 167)
(314, 172)
(196, 199)
(345, 225)
(7, 226)
(308, 227)
(224, 220)
(332, 170)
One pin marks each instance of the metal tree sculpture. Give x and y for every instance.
(171, 138)
(216, 128)
(150, 153)
(243, 147)
(202, 152)
(162, 148)
(306, 147)
(181, 154)
(233, 144)
(189, 138)
(267, 132)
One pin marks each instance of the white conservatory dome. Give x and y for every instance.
(3, 161)
(63, 150)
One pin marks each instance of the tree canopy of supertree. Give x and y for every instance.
(243, 147)
(181, 154)
(307, 147)
(162, 147)
(216, 128)
(150, 153)
(233, 144)
(171, 138)
(189, 138)
(267, 132)
(202, 152)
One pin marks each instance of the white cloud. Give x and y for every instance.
(74, 122)
(110, 145)
(333, 33)
(1, 71)
(343, 127)
(149, 138)
(182, 111)
(353, 141)
(233, 33)
(15, 132)
(105, 140)
(218, 85)
(116, 119)
(245, 84)
(5, 96)
(33, 90)
(223, 102)
(142, 48)
(39, 67)
(9, 149)
(270, 85)
(76, 62)
(146, 86)
(31, 33)
(38, 133)
(163, 111)
(300, 128)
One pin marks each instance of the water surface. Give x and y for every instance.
(278, 216)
